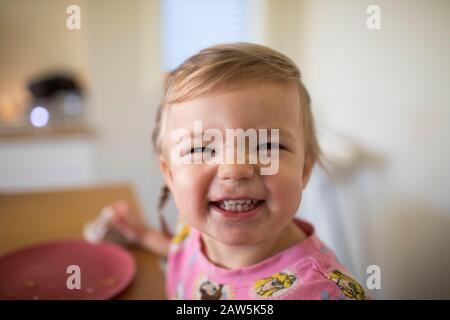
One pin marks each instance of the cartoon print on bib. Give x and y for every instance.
(348, 286)
(275, 285)
(206, 289)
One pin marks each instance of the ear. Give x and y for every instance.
(167, 173)
(307, 169)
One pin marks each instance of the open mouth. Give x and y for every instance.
(238, 205)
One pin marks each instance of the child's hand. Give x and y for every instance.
(135, 230)
(131, 226)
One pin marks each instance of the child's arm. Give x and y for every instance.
(134, 228)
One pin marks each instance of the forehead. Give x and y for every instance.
(256, 106)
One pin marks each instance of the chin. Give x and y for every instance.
(238, 239)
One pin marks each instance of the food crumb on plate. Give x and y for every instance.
(110, 282)
(31, 284)
(90, 290)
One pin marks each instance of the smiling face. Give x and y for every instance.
(233, 203)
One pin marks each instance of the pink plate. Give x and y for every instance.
(40, 272)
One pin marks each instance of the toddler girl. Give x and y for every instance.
(237, 236)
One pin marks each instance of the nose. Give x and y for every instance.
(236, 171)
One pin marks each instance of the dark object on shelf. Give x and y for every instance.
(57, 98)
(48, 86)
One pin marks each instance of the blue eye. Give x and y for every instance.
(202, 150)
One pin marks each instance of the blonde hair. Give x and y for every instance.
(220, 68)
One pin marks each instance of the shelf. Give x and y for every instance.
(79, 130)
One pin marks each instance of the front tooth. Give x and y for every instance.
(239, 202)
(237, 207)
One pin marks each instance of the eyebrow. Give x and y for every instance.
(282, 132)
(286, 134)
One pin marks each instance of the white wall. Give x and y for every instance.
(388, 91)
(116, 53)
(124, 70)
(34, 39)
(46, 162)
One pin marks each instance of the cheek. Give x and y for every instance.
(190, 186)
(285, 190)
